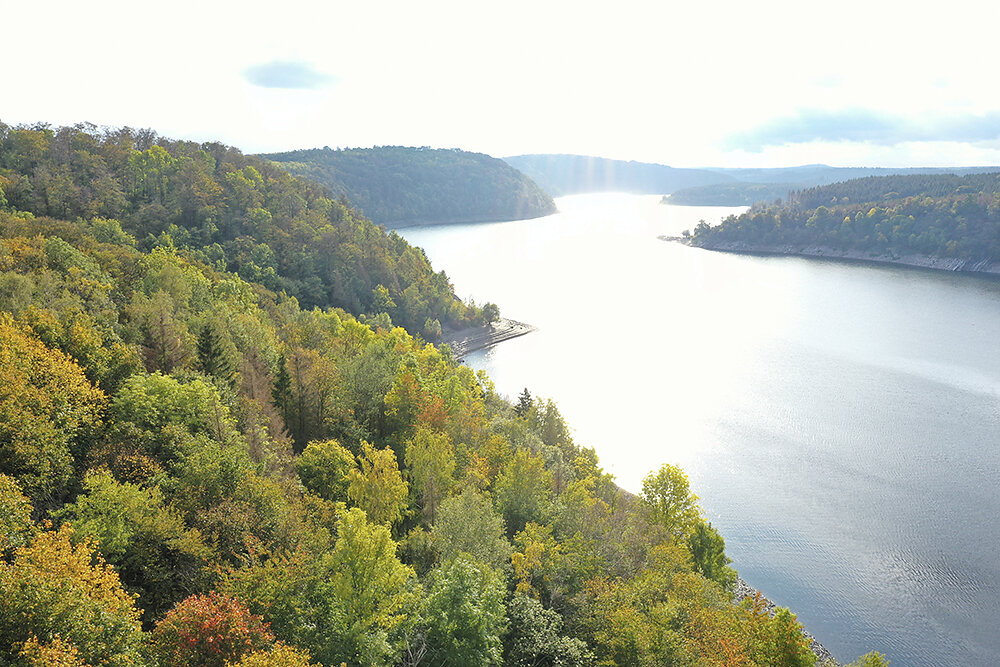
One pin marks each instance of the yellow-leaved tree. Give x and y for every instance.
(48, 410)
(57, 595)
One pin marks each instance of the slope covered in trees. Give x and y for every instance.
(196, 470)
(235, 212)
(766, 185)
(729, 194)
(942, 216)
(398, 186)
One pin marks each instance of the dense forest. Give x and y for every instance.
(398, 186)
(729, 194)
(196, 469)
(234, 212)
(766, 185)
(573, 174)
(945, 216)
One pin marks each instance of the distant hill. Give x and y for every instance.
(573, 174)
(766, 185)
(892, 218)
(398, 186)
(730, 194)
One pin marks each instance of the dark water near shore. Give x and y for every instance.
(839, 421)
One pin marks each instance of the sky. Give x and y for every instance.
(701, 83)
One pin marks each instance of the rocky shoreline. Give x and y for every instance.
(824, 252)
(464, 341)
(744, 591)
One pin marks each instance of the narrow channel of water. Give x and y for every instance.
(839, 421)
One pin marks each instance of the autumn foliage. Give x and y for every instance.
(209, 631)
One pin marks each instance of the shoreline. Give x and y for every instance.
(472, 339)
(744, 591)
(927, 262)
(470, 220)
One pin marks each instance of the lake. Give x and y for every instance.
(839, 421)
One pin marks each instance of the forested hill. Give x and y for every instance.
(572, 174)
(765, 185)
(875, 189)
(938, 216)
(236, 212)
(398, 186)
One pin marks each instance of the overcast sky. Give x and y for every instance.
(699, 83)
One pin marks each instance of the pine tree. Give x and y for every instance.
(523, 403)
(212, 357)
(281, 392)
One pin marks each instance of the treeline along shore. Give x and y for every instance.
(941, 221)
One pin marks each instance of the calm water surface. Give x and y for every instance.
(839, 421)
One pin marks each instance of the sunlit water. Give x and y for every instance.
(839, 421)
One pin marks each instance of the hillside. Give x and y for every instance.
(397, 186)
(573, 174)
(730, 194)
(766, 185)
(236, 212)
(910, 218)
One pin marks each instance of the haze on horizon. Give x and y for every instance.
(727, 84)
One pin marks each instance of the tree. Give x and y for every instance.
(431, 463)
(145, 540)
(15, 516)
(54, 653)
(524, 402)
(709, 552)
(534, 639)
(872, 659)
(522, 491)
(325, 467)
(468, 524)
(154, 402)
(48, 409)
(281, 392)
(213, 358)
(491, 313)
(668, 498)
(165, 335)
(788, 646)
(465, 613)
(280, 655)
(212, 630)
(343, 605)
(54, 589)
(378, 487)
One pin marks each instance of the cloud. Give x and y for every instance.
(287, 74)
(867, 126)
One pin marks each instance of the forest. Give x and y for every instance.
(234, 212)
(398, 186)
(203, 465)
(944, 215)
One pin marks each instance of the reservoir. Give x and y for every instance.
(839, 421)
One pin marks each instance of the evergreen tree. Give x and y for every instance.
(281, 392)
(212, 357)
(523, 403)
